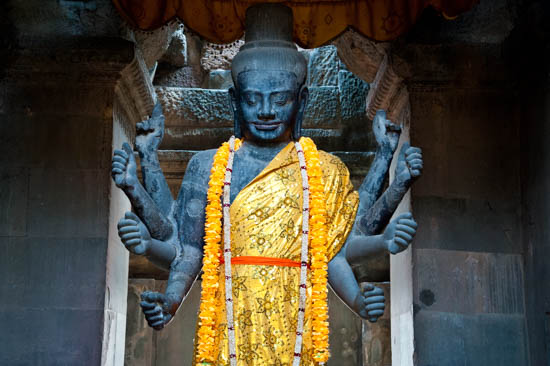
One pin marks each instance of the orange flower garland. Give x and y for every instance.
(209, 306)
(318, 250)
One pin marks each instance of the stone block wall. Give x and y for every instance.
(60, 295)
(468, 258)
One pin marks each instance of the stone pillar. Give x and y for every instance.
(467, 271)
(63, 272)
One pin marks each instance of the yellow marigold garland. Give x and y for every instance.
(209, 306)
(318, 251)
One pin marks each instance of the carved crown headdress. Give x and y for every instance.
(268, 43)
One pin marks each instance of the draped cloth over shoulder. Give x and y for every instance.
(266, 223)
(315, 21)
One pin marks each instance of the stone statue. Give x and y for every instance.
(268, 99)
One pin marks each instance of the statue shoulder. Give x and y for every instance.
(202, 160)
(332, 164)
(198, 168)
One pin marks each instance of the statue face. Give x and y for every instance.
(267, 105)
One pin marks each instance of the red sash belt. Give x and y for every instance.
(263, 261)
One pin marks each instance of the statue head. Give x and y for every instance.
(269, 96)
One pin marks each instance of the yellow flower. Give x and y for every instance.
(318, 250)
(209, 307)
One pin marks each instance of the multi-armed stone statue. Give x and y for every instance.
(277, 213)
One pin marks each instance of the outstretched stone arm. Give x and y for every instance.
(136, 238)
(387, 136)
(149, 135)
(396, 238)
(361, 243)
(158, 308)
(358, 247)
(409, 168)
(125, 176)
(368, 303)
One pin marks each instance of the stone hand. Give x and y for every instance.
(386, 133)
(123, 168)
(399, 233)
(370, 303)
(150, 132)
(134, 234)
(154, 306)
(409, 164)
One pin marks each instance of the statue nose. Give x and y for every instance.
(266, 114)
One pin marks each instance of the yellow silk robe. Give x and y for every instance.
(266, 220)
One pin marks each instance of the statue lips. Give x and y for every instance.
(266, 126)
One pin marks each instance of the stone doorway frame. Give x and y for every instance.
(368, 60)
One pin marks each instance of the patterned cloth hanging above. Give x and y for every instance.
(315, 21)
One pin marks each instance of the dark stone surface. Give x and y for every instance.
(60, 62)
(41, 140)
(468, 253)
(65, 274)
(468, 282)
(450, 339)
(444, 220)
(57, 336)
(14, 188)
(55, 211)
(532, 56)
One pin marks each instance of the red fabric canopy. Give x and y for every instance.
(316, 22)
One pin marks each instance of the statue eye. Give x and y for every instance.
(251, 99)
(280, 98)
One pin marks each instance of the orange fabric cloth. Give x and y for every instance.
(263, 261)
(316, 22)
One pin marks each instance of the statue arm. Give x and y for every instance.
(149, 135)
(125, 177)
(159, 309)
(372, 185)
(396, 237)
(367, 303)
(136, 238)
(377, 216)
(408, 169)
(387, 136)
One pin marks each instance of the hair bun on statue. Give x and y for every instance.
(268, 43)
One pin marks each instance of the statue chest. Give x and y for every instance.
(244, 171)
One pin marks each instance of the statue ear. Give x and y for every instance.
(302, 103)
(237, 130)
